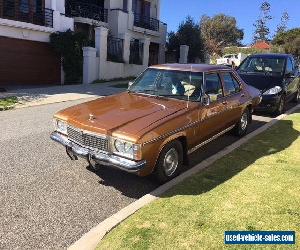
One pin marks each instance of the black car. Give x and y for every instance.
(276, 76)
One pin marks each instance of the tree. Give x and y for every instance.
(188, 33)
(282, 26)
(262, 30)
(289, 41)
(219, 32)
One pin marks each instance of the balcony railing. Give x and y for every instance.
(26, 13)
(75, 8)
(146, 22)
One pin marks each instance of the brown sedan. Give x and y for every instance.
(168, 112)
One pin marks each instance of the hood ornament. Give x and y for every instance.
(91, 118)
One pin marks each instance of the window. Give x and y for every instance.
(182, 85)
(289, 66)
(125, 2)
(9, 8)
(213, 86)
(231, 85)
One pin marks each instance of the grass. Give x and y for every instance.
(254, 188)
(8, 103)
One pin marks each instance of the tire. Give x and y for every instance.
(297, 96)
(281, 106)
(242, 126)
(170, 162)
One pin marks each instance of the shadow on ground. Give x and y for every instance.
(269, 143)
(135, 187)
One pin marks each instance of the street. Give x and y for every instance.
(48, 201)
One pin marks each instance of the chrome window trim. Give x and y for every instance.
(210, 140)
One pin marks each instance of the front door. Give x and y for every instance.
(290, 79)
(212, 117)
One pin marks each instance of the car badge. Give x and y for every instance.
(91, 118)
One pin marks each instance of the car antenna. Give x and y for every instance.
(187, 105)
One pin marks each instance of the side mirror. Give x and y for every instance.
(290, 75)
(206, 100)
(130, 84)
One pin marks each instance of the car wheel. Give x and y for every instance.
(297, 97)
(243, 124)
(281, 106)
(170, 162)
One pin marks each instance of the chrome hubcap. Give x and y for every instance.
(244, 121)
(171, 162)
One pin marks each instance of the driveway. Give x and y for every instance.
(48, 201)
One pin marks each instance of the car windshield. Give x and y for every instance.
(181, 85)
(265, 65)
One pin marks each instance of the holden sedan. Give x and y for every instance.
(168, 112)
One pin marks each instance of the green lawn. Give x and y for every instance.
(7, 103)
(256, 187)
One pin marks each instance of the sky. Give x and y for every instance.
(245, 11)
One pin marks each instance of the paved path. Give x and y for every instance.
(47, 95)
(48, 201)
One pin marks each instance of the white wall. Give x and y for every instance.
(111, 70)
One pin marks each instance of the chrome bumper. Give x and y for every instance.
(100, 157)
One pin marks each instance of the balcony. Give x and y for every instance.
(75, 8)
(27, 13)
(146, 22)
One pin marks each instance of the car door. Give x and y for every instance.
(233, 96)
(212, 117)
(290, 79)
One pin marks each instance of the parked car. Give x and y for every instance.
(167, 113)
(231, 59)
(276, 76)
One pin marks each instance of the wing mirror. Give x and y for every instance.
(290, 75)
(206, 100)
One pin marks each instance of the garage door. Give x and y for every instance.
(28, 62)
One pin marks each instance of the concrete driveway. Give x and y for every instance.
(48, 201)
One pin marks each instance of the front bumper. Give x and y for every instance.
(100, 157)
(269, 103)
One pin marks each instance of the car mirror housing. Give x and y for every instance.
(206, 100)
(130, 84)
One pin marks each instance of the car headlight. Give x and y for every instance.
(126, 149)
(61, 126)
(273, 91)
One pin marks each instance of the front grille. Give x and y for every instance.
(87, 140)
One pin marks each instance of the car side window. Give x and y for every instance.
(289, 66)
(213, 86)
(231, 85)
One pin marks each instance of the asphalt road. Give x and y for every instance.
(48, 201)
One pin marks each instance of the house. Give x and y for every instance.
(127, 35)
(262, 45)
(25, 27)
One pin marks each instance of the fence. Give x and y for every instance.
(136, 52)
(115, 49)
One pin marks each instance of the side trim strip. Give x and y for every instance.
(211, 139)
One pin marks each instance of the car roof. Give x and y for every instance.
(191, 67)
(271, 55)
